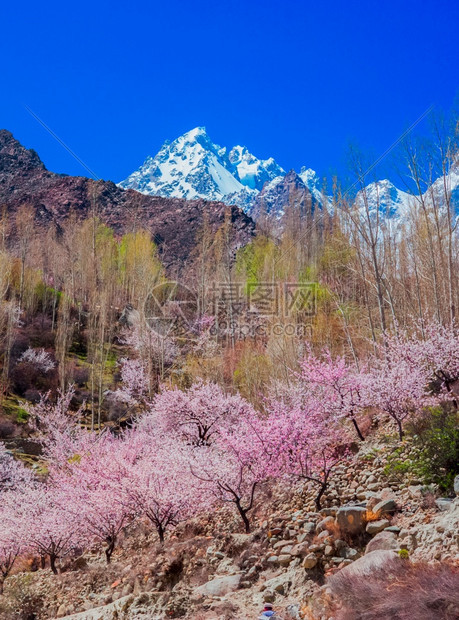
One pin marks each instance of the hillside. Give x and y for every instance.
(174, 223)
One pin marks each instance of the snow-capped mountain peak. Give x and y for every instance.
(192, 166)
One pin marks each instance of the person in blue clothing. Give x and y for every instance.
(267, 612)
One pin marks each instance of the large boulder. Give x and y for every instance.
(367, 564)
(456, 485)
(385, 506)
(384, 541)
(220, 586)
(351, 519)
(373, 527)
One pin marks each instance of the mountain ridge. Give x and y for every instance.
(236, 176)
(173, 222)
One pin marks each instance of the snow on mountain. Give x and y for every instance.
(244, 198)
(315, 185)
(192, 166)
(446, 189)
(399, 207)
(283, 193)
(385, 198)
(253, 172)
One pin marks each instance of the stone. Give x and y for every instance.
(444, 503)
(328, 550)
(324, 534)
(351, 519)
(284, 559)
(220, 586)
(287, 550)
(456, 485)
(127, 589)
(62, 611)
(329, 512)
(322, 525)
(348, 553)
(293, 612)
(273, 559)
(310, 527)
(299, 550)
(366, 565)
(415, 491)
(383, 541)
(373, 527)
(393, 528)
(282, 543)
(384, 507)
(252, 571)
(309, 561)
(268, 597)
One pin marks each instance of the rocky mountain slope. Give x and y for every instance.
(372, 521)
(174, 222)
(282, 193)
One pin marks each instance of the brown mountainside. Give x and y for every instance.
(173, 222)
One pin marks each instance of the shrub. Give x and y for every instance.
(435, 455)
(7, 429)
(80, 376)
(20, 602)
(438, 444)
(32, 395)
(399, 590)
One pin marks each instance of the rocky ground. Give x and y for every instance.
(208, 570)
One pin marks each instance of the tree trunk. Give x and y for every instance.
(400, 430)
(244, 517)
(357, 429)
(52, 562)
(318, 498)
(109, 550)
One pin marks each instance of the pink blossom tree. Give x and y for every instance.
(303, 443)
(59, 431)
(50, 531)
(439, 351)
(12, 535)
(92, 488)
(39, 358)
(196, 415)
(231, 468)
(398, 381)
(13, 474)
(160, 485)
(135, 381)
(334, 385)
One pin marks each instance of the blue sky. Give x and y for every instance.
(298, 81)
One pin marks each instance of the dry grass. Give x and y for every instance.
(399, 591)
